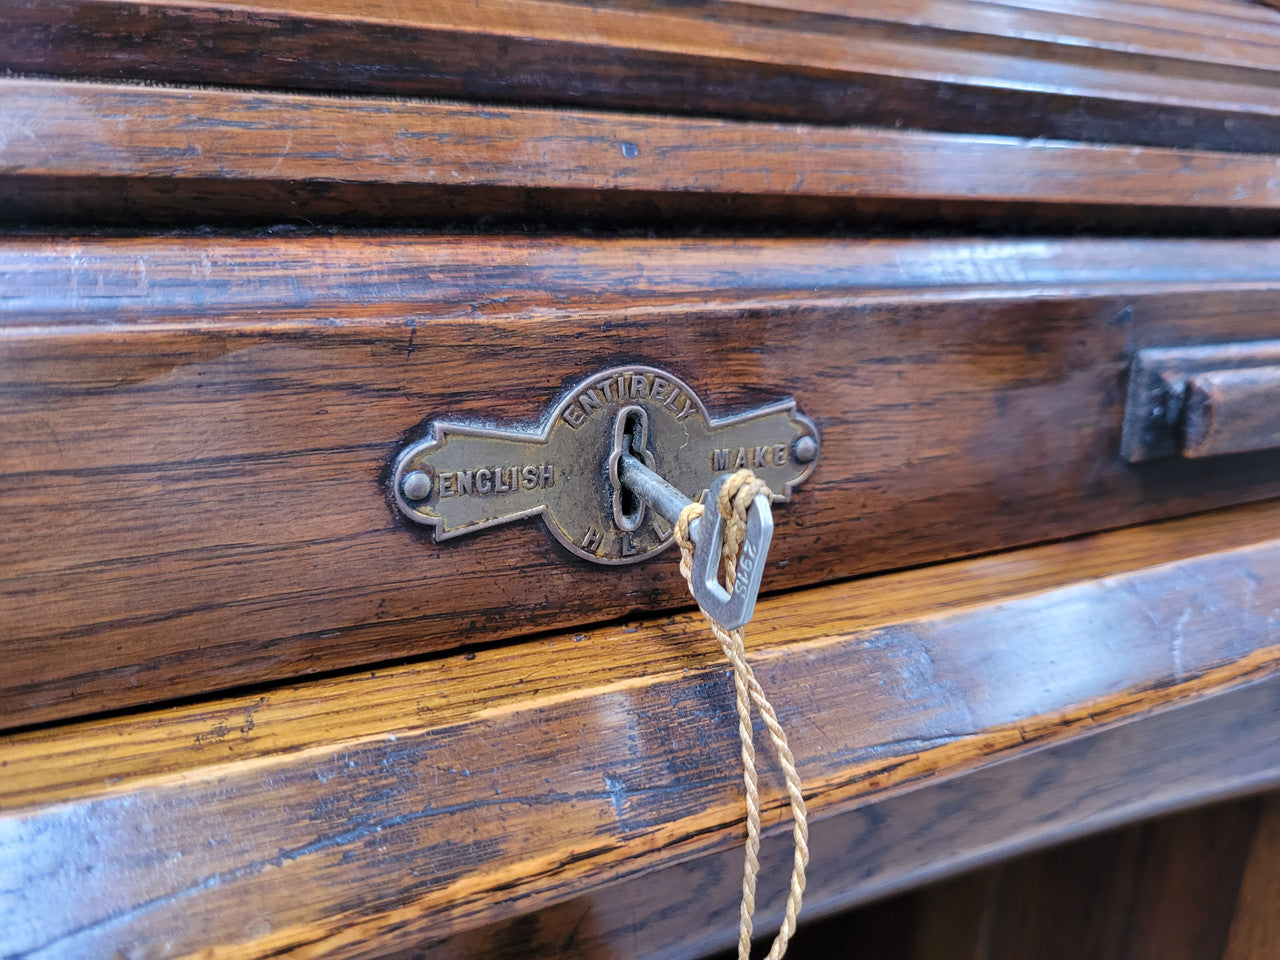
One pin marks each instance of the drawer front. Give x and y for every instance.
(197, 433)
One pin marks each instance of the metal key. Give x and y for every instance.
(730, 610)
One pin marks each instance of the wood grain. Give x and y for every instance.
(1167, 891)
(1098, 72)
(1187, 883)
(898, 843)
(195, 430)
(102, 153)
(372, 812)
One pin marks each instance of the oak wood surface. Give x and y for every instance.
(1095, 71)
(194, 436)
(434, 802)
(196, 430)
(96, 153)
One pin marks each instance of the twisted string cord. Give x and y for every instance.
(735, 500)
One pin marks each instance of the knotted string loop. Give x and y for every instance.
(736, 497)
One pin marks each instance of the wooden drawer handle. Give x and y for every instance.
(1202, 401)
(1231, 411)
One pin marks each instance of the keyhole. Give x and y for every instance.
(632, 441)
(631, 436)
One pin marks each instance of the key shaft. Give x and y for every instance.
(651, 488)
(731, 609)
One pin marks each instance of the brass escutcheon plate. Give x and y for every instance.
(464, 478)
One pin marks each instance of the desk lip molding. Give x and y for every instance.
(955, 648)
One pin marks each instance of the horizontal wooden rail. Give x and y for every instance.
(96, 152)
(196, 429)
(1095, 71)
(222, 282)
(985, 706)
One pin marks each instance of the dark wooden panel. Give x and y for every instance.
(98, 152)
(941, 718)
(196, 434)
(1255, 926)
(1161, 890)
(1120, 72)
(948, 920)
(1166, 891)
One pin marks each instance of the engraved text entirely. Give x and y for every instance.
(628, 385)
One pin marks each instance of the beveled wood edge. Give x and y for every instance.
(1157, 33)
(896, 842)
(1122, 662)
(1093, 18)
(44, 765)
(71, 283)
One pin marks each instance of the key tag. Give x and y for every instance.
(730, 609)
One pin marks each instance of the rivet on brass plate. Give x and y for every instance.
(464, 478)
